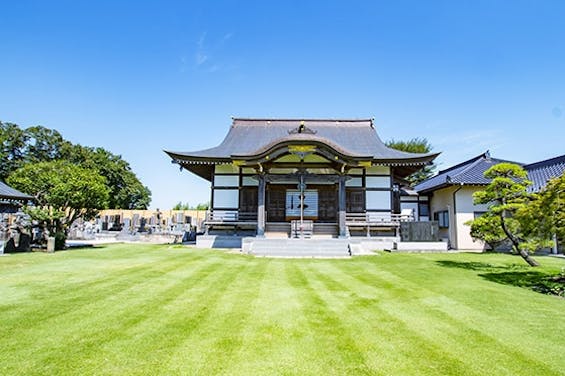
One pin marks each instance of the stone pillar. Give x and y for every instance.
(341, 206)
(51, 244)
(261, 206)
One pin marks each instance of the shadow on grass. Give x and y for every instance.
(533, 280)
(479, 266)
(514, 275)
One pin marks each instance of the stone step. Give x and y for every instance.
(300, 247)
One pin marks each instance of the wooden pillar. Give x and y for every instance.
(341, 206)
(261, 206)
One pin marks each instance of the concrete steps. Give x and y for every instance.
(300, 247)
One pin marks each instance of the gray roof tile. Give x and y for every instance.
(7, 192)
(249, 137)
(470, 172)
(541, 172)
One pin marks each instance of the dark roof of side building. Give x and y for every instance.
(541, 172)
(350, 137)
(470, 172)
(9, 193)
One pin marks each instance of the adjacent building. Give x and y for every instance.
(450, 194)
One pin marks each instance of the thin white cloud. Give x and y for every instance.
(459, 146)
(206, 48)
(227, 37)
(201, 40)
(201, 57)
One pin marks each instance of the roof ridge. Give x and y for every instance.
(462, 163)
(470, 166)
(304, 119)
(545, 161)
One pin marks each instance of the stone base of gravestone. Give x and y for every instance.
(51, 244)
(10, 246)
(25, 243)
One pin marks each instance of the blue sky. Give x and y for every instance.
(138, 77)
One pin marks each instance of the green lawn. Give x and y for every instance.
(145, 309)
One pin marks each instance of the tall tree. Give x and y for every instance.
(415, 145)
(554, 197)
(63, 192)
(546, 215)
(508, 201)
(39, 144)
(44, 144)
(13, 141)
(126, 191)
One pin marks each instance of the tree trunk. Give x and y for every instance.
(516, 243)
(530, 260)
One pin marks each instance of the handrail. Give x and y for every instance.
(226, 216)
(376, 218)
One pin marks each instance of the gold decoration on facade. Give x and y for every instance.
(301, 148)
(365, 164)
(238, 163)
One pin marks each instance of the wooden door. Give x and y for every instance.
(355, 201)
(248, 200)
(276, 204)
(327, 204)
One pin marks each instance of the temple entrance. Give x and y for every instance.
(320, 203)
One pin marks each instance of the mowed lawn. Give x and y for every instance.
(146, 309)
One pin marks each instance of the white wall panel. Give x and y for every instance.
(377, 181)
(226, 180)
(354, 182)
(226, 198)
(378, 200)
(248, 181)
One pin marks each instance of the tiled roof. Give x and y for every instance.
(541, 172)
(353, 138)
(7, 192)
(470, 172)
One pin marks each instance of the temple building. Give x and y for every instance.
(290, 177)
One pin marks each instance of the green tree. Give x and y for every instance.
(488, 228)
(180, 206)
(39, 144)
(13, 141)
(554, 197)
(546, 215)
(203, 206)
(126, 191)
(415, 145)
(44, 144)
(509, 202)
(63, 192)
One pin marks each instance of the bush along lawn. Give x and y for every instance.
(147, 309)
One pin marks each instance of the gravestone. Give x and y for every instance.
(142, 223)
(127, 224)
